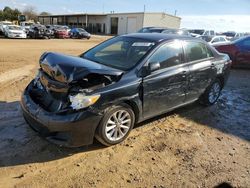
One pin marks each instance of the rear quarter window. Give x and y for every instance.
(196, 51)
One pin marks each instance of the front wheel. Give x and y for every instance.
(115, 125)
(212, 93)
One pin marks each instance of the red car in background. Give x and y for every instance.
(61, 34)
(238, 51)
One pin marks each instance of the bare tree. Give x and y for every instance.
(30, 13)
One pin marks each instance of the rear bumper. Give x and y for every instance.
(70, 130)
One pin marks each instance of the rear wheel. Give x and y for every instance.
(212, 93)
(115, 125)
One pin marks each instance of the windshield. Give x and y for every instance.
(14, 28)
(81, 30)
(120, 52)
(7, 23)
(229, 34)
(197, 31)
(206, 38)
(28, 24)
(150, 30)
(155, 30)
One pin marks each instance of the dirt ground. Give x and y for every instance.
(194, 146)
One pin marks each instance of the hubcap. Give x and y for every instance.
(214, 92)
(118, 125)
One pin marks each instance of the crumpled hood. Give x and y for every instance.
(67, 69)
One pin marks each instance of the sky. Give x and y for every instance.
(220, 15)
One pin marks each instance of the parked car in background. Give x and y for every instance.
(52, 28)
(177, 32)
(212, 40)
(61, 27)
(26, 25)
(15, 31)
(3, 25)
(164, 30)
(61, 33)
(238, 51)
(38, 31)
(120, 82)
(151, 30)
(79, 33)
(201, 32)
(231, 35)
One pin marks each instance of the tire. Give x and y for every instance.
(212, 93)
(111, 130)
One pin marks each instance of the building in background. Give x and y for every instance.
(113, 23)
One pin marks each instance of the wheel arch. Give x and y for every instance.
(134, 107)
(221, 79)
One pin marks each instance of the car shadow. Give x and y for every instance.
(19, 144)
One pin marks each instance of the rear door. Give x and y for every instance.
(202, 70)
(165, 88)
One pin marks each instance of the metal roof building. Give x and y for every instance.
(113, 23)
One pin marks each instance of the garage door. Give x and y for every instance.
(131, 25)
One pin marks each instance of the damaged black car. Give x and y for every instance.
(105, 91)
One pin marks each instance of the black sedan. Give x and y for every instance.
(79, 33)
(123, 81)
(39, 32)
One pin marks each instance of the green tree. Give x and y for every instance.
(45, 14)
(9, 14)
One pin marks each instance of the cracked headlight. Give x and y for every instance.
(81, 101)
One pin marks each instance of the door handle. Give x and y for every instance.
(184, 74)
(212, 65)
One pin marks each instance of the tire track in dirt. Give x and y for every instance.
(15, 75)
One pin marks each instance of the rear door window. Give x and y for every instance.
(196, 51)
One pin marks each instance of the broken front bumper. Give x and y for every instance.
(70, 130)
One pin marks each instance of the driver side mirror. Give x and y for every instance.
(154, 66)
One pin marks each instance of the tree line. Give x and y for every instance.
(10, 14)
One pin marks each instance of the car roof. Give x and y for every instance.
(158, 37)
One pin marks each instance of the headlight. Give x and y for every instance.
(80, 101)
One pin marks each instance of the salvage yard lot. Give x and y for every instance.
(190, 147)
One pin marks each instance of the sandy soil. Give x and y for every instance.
(190, 147)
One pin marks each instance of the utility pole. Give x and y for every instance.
(144, 8)
(175, 12)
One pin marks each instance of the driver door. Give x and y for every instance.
(165, 87)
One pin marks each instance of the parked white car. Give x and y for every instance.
(214, 39)
(201, 32)
(26, 25)
(15, 31)
(3, 25)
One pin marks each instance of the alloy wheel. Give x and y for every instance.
(214, 92)
(118, 125)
